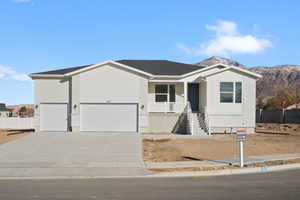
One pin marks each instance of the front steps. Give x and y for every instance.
(196, 126)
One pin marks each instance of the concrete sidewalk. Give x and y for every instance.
(178, 136)
(72, 172)
(214, 163)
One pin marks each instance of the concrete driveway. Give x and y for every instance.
(68, 154)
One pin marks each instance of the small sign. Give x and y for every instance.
(241, 134)
(241, 137)
(241, 131)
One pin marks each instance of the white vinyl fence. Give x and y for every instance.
(16, 123)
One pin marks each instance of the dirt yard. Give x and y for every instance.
(7, 136)
(220, 147)
(278, 128)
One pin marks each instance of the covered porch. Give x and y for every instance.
(187, 100)
(174, 96)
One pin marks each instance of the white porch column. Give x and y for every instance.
(185, 86)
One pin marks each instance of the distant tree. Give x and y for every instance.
(23, 111)
(30, 112)
(284, 96)
(261, 103)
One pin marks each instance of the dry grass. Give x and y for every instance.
(7, 135)
(278, 128)
(269, 163)
(219, 147)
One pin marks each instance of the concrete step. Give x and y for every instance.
(198, 130)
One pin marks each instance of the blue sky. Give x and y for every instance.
(40, 35)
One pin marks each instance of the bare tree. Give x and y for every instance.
(284, 96)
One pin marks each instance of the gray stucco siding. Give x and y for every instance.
(49, 91)
(167, 123)
(226, 115)
(109, 84)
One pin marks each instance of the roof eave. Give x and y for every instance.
(33, 76)
(167, 76)
(257, 76)
(152, 76)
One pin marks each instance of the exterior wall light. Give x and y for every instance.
(75, 106)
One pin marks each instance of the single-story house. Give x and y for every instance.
(145, 96)
(4, 111)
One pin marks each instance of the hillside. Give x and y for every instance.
(276, 76)
(273, 77)
(218, 60)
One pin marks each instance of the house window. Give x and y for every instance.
(172, 94)
(165, 93)
(231, 92)
(238, 92)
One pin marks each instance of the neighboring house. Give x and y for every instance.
(294, 106)
(4, 112)
(21, 110)
(145, 96)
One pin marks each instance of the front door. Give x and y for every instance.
(193, 96)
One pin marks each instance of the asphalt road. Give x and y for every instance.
(272, 186)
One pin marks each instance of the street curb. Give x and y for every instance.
(262, 169)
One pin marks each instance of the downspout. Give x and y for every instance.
(70, 106)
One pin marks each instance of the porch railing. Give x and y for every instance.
(204, 120)
(166, 107)
(190, 123)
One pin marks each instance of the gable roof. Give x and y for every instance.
(161, 67)
(154, 67)
(151, 68)
(62, 71)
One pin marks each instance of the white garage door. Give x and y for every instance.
(108, 117)
(53, 117)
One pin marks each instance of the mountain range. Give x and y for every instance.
(273, 76)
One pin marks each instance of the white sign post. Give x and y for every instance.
(241, 137)
(241, 153)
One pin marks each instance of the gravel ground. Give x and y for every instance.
(7, 136)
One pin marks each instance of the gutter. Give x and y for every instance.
(47, 76)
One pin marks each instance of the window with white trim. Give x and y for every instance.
(231, 92)
(165, 93)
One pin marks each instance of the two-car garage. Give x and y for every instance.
(102, 117)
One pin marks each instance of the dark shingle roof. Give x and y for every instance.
(160, 67)
(155, 67)
(63, 71)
